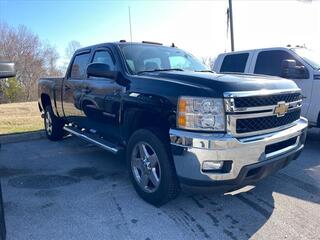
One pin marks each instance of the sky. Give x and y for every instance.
(199, 27)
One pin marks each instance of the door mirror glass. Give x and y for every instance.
(100, 70)
(289, 69)
(7, 70)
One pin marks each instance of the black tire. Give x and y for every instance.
(53, 125)
(168, 186)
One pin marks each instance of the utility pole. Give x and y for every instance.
(231, 25)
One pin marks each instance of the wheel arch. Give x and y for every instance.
(135, 119)
(45, 101)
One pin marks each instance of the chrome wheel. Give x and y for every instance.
(48, 122)
(145, 166)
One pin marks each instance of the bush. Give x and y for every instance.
(12, 90)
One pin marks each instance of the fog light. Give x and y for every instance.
(212, 165)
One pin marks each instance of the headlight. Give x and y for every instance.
(197, 113)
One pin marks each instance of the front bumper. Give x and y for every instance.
(247, 158)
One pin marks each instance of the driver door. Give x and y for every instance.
(101, 97)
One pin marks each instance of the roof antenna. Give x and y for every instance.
(130, 24)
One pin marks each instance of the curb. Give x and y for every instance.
(20, 137)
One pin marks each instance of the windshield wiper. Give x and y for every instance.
(206, 70)
(161, 70)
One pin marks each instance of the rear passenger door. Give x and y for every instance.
(72, 87)
(269, 62)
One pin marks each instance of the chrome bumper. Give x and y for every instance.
(190, 149)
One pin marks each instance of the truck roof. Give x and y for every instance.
(121, 42)
(265, 49)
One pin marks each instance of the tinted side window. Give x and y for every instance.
(270, 62)
(104, 57)
(79, 66)
(234, 63)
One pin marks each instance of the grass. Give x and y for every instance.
(20, 117)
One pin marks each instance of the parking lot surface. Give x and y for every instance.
(73, 190)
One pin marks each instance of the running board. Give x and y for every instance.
(89, 137)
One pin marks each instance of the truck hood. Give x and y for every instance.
(220, 83)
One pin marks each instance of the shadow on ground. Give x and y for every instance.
(85, 193)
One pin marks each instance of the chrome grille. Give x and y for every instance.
(253, 113)
(269, 122)
(259, 101)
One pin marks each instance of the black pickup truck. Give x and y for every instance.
(177, 122)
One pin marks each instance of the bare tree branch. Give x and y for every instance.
(71, 48)
(33, 58)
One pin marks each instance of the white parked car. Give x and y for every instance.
(298, 64)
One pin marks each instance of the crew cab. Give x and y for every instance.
(296, 63)
(177, 122)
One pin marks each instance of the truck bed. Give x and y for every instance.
(51, 87)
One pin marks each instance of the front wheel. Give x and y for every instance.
(53, 125)
(151, 167)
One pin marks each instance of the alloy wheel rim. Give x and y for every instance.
(145, 166)
(48, 123)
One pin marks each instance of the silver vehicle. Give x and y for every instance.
(298, 64)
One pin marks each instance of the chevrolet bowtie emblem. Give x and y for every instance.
(281, 109)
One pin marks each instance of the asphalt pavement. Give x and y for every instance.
(73, 190)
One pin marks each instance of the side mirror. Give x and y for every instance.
(100, 70)
(289, 69)
(7, 70)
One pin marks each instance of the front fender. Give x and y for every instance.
(141, 110)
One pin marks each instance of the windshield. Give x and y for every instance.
(311, 57)
(143, 57)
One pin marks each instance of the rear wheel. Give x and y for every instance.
(151, 167)
(53, 125)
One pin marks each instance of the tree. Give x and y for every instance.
(71, 48)
(209, 61)
(33, 59)
(11, 90)
(51, 57)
